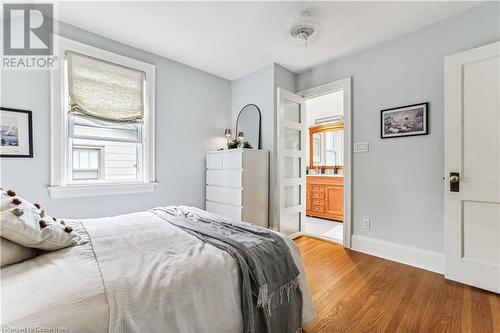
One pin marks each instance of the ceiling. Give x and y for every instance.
(232, 39)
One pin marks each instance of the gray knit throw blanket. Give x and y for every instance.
(270, 293)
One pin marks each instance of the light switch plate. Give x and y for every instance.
(366, 223)
(361, 147)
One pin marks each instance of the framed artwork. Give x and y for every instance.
(16, 133)
(406, 120)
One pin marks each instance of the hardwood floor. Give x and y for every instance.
(356, 292)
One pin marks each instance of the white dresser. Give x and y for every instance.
(236, 184)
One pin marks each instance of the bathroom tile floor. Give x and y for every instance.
(323, 227)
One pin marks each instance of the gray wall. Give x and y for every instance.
(259, 88)
(255, 88)
(192, 110)
(398, 184)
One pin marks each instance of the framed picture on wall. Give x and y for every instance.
(406, 120)
(16, 133)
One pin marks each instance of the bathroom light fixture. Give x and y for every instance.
(332, 119)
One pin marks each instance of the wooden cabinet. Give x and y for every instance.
(334, 201)
(325, 197)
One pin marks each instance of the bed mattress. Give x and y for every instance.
(198, 284)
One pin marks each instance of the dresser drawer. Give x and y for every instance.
(221, 194)
(317, 201)
(317, 209)
(224, 178)
(231, 212)
(317, 188)
(318, 194)
(214, 161)
(232, 160)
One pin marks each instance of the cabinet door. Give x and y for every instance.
(334, 201)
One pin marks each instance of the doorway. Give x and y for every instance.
(315, 184)
(325, 166)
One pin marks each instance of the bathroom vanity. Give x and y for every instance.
(325, 196)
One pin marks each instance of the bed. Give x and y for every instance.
(163, 279)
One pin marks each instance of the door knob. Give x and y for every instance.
(454, 182)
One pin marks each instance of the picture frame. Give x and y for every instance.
(408, 120)
(16, 133)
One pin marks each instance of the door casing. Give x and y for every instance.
(346, 86)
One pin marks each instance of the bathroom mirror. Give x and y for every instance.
(248, 122)
(326, 146)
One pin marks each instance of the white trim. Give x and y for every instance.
(346, 86)
(324, 89)
(59, 124)
(73, 191)
(428, 260)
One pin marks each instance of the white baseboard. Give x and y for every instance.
(428, 260)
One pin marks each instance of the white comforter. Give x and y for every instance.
(184, 285)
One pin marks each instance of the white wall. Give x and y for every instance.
(328, 105)
(192, 110)
(399, 183)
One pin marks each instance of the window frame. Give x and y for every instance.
(60, 186)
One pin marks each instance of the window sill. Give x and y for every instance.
(92, 190)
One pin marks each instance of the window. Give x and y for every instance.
(334, 145)
(329, 149)
(117, 146)
(102, 123)
(87, 163)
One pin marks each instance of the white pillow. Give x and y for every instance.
(27, 224)
(11, 253)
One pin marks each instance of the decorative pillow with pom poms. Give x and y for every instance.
(28, 225)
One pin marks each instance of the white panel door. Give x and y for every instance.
(291, 143)
(472, 151)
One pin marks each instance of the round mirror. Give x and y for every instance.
(248, 122)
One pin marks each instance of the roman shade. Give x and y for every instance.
(104, 90)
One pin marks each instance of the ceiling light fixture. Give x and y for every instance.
(304, 30)
(302, 33)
